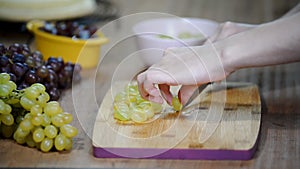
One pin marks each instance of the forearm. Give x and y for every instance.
(272, 43)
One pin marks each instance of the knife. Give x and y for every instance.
(195, 94)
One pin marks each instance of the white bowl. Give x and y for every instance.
(156, 35)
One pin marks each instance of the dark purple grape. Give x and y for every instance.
(30, 61)
(42, 71)
(52, 77)
(5, 69)
(13, 77)
(4, 61)
(63, 81)
(37, 54)
(54, 94)
(18, 69)
(18, 58)
(50, 85)
(31, 77)
(54, 63)
(22, 85)
(14, 48)
(2, 49)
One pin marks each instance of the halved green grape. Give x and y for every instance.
(68, 130)
(176, 104)
(46, 144)
(138, 116)
(129, 105)
(156, 107)
(121, 111)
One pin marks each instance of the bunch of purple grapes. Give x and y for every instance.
(70, 29)
(27, 67)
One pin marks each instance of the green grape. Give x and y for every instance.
(21, 133)
(29, 141)
(27, 103)
(52, 108)
(120, 97)
(60, 142)
(7, 131)
(36, 109)
(12, 85)
(4, 77)
(68, 130)
(4, 108)
(37, 120)
(46, 144)
(31, 93)
(38, 135)
(50, 131)
(176, 104)
(68, 144)
(156, 107)
(26, 125)
(38, 86)
(19, 119)
(57, 120)
(7, 119)
(138, 116)
(20, 140)
(67, 117)
(4, 90)
(43, 99)
(46, 120)
(121, 111)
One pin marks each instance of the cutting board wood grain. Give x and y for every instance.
(222, 123)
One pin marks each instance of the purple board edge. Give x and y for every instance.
(190, 154)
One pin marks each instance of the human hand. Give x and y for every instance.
(185, 66)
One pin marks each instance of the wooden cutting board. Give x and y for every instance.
(222, 123)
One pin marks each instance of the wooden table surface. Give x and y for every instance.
(278, 146)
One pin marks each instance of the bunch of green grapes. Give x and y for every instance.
(130, 106)
(30, 118)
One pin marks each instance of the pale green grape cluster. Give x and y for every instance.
(130, 106)
(31, 119)
(45, 127)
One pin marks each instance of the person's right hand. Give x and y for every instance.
(186, 66)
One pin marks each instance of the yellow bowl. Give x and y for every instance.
(84, 52)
